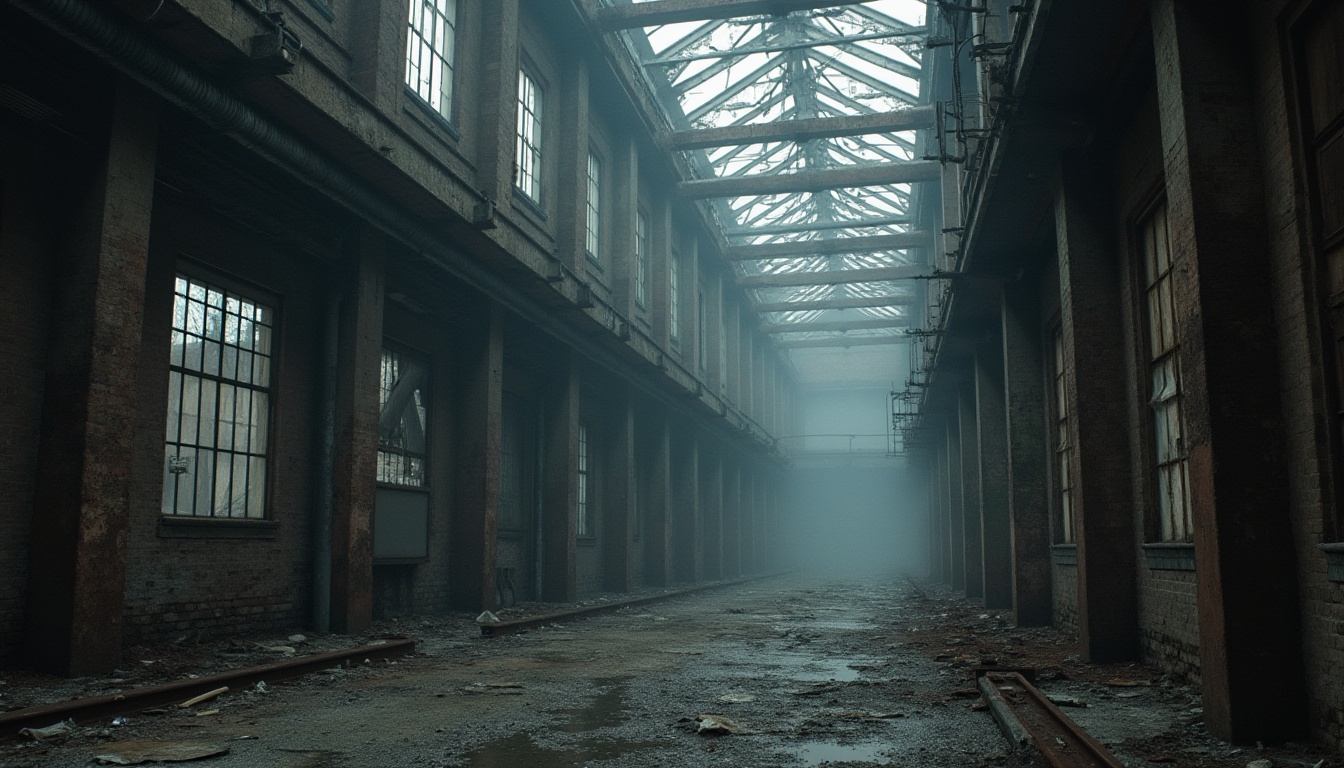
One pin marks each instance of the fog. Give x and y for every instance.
(849, 505)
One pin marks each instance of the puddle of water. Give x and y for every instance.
(519, 750)
(823, 670)
(818, 753)
(606, 709)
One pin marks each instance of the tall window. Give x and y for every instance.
(674, 296)
(1063, 448)
(430, 45)
(527, 163)
(593, 241)
(585, 523)
(219, 403)
(1164, 370)
(641, 259)
(403, 420)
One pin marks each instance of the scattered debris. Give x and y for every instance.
(287, 650)
(1067, 701)
(1125, 683)
(208, 695)
(120, 721)
(499, 689)
(207, 712)
(871, 715)
(63, 728)
(487, 617)
(1260, 764)
(136, 752)
(297, 639)
(1159, 758)
(261, 687)
(736, 698)
(716, 725)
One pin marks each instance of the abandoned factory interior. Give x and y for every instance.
(672, 382)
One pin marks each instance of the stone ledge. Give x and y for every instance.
(1170, 556)
(1064, 554)
(1334, 560)
(216, 528)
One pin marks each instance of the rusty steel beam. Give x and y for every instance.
(653, 14)
(136, 699)
(880, 175)
(1027, 715)
(802, 130)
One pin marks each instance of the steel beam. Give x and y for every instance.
(817, 226)
(673, 60)
(834, 277)
(802, 130)
(811, 181)
(837, 325)
(869, 244)
(842, 341)
(852, 302)
(653, 14)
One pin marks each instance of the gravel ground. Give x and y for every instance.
(808, 671)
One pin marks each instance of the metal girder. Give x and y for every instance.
(816, 226)
(660, 12)
(812, 181)
(842, 341)
(868, 244)
(834, 277)
(852, 302)
(820, 42)
(802, 130)
(836, 325)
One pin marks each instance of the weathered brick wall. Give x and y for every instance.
(1306, 413)
(1066, 597)
(24, 310)
(176, 586)
(1168, 621)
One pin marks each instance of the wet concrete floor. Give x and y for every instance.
(809, 672)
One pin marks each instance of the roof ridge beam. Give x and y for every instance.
(837, 325)
(805, 129)
(835, 277)
(812, 181)
(660, 12)
(842, 341)
(852, 302)
(867, 244)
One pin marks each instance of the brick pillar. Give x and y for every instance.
(732, 519)
(711, 490)
(378, 53)
(618, 508)
(478, 433)
(559, 517)
(1251, 663)
(624, 205)
(1095, 380)
(687, 563)
(571, 110)
(497, 109)
(1028, 452)
(995, 530)
(77, 553)
(956, 521)
(657, 564)
(355, 459)
(746, 517)
(970, 488)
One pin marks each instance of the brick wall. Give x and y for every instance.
(1066, 597)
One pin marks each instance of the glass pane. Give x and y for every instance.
(226, 416)
(223, 476)
(174, 405)
(256, 488)
(207, 392)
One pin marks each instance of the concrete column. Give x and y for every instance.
(747, 377)
(747, 505)
(623, 203)
(1251, 658)
(970, 488)
(618, 498)
(571, 110)
(77, 550)
(1095, 381)
(690, 314)
(355, 458)
(732, 324)
(657, 515)
(478, 433)
(956, 520)
(995, 530)
(1028, 453)
(496, 112)
(685, 513)
(559, 518)
(732, 518)
(660, 256)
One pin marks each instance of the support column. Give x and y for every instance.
(478, 434)
(618, 510)
(956, 521)
(712, 491)
(559, 520)
(1251, 662)
(747, 519)
(378, 45)
(355, 459)
(995, 530)
(657, 518)
(497, 109)
(1095, 352)
(732, 519)
(624, 204)
(970, 488)
(77, 551)
(571, 109)
(1028, 452)
(685, 518)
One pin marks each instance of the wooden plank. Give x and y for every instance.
(653, 14)
(837, 325)
(802, 130)
(852, 302)
(843, 341)
(869, 244)
(811, 181)
(834, 277)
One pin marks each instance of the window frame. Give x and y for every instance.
(414, 35)
(592, 206)
(583, 499)
(426, 459)
(641, 258)
(534, 170)
(674, 297)
(259, 298)
(1062, 454)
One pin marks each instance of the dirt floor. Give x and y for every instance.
(807, 671)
